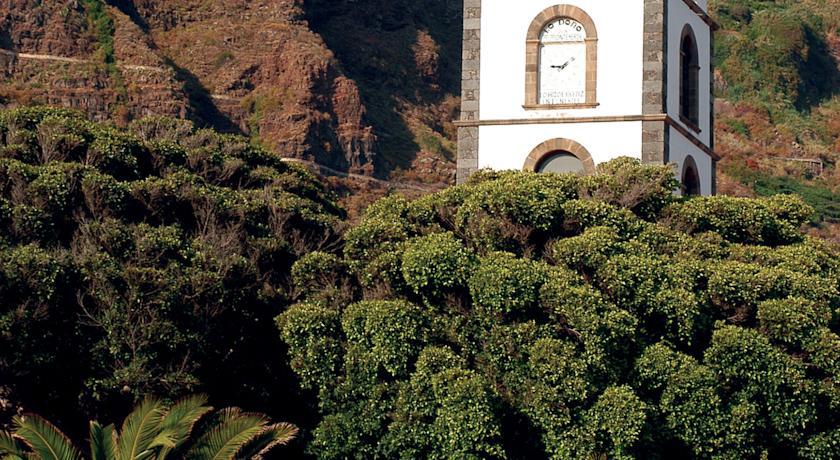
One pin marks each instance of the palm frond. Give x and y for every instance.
(165, 440)
(139, 430)
(45, 440)
(178, 423)
(9, 448)
(272, 436)
(225, 438)
(103, 442)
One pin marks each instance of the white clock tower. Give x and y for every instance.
(561, 87)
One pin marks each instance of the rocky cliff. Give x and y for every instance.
(364, 88)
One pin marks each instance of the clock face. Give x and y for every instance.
(562, 63)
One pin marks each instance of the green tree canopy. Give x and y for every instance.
(555, 316)
(145, 261)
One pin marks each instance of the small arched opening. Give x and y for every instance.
(690, 178)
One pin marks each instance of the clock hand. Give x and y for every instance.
(561, 67)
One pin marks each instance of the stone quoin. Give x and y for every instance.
(564, 86)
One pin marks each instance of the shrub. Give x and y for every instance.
(116, 153)
(444, 411)
(752, 369)
(371, 238)
(686, 392)
(616, 420)
(316, 270)
(793, 321)
(627, 183)
(530, 199)
(587, 252)
(504, 287)
(386, 335)
(436, 264)
(824, 348)
(103, 194)
(774, 221)
(311, 333)
(737, 285)
(582, 214)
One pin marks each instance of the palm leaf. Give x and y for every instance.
(139, 430)
(231, 431)
(103, 442)
(165, 440)
(178, 423)
(9, 447)
(272, 436)
(284, 433)
(45, 440)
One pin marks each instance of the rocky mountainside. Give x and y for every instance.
(360, 88)
(778, 107)
(370, 86)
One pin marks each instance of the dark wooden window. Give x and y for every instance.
(689, 79)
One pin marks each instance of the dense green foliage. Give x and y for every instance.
(154, 431)
(826, 203)
(550, 316)
(518, 316)
(145, 261)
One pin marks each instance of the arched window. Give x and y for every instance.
(560, 156)
(690, 178)
(561, 54)
(561, 162)
(689, 78)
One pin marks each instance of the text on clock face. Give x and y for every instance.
(563, 97)
(565, 22)
(563, 30)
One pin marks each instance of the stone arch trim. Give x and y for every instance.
(689, 165)
(551, 146)
(532, 55)
(562, 11)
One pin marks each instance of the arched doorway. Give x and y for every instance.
(690, 178)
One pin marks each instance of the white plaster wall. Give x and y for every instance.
(507, 147)
(679, 14)
(504, 27)
(682, 147)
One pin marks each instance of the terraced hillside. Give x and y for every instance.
(254, 67)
